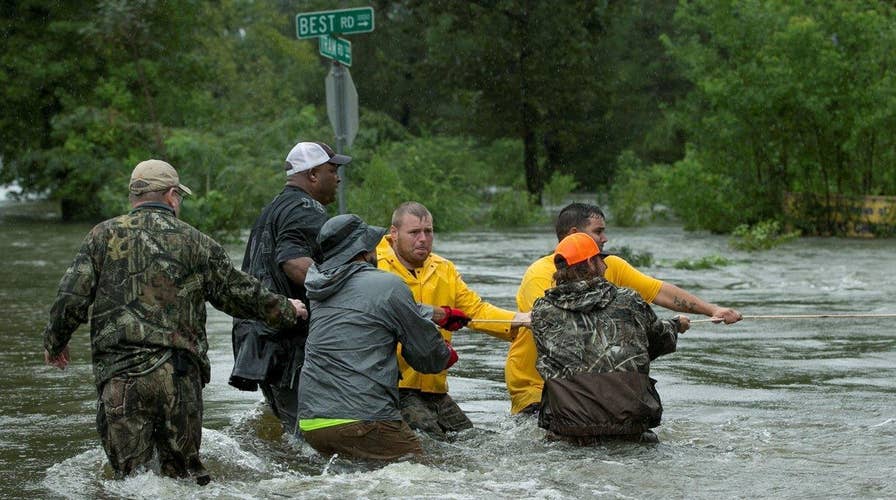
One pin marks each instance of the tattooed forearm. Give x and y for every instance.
(682, 305)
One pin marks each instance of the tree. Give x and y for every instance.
(492, 69)
(789, 97)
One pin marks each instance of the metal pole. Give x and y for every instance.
(341, 126)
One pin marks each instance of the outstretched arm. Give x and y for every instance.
(676, 299)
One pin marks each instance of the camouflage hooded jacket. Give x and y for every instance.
(144, 278)
(595, 342)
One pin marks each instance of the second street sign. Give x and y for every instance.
(336, 49)
(344, 21)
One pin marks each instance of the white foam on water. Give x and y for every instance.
(225, 450)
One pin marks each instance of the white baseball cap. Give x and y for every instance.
(307, 155)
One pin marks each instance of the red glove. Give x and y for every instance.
(454, 319)
(452, 357)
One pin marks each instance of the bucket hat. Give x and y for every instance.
(343, 237)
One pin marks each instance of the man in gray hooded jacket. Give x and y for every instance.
(348, 392)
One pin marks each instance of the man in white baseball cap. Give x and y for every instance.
(307, 155)
(281, 248)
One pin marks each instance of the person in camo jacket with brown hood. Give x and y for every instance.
(595, 342)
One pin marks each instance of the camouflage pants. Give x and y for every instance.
(159, 411)
(432, 413)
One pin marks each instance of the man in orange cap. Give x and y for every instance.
(595, 342)
(523, 381)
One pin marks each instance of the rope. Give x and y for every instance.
(805, 316)
(767, 316)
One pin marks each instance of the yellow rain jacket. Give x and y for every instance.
(524, 384)
(438, 283)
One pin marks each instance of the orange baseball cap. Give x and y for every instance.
(576, 248)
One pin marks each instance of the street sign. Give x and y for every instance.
(342, 104)
(342, 108)
(336, 49)
(329, 22)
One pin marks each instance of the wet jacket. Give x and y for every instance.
(437, 283)
(147, 276)
(595, 343)
(286, 229)
(359, 314)
(522, 379)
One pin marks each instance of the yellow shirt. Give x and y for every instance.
(438, 283)
(524, 384)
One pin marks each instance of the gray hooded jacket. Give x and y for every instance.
(358, 316)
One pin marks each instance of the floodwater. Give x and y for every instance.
(767, 408)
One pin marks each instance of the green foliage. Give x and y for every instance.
(702, 198)
(443, 173)
(761, 236)
(381, 189)
(637, 259)
(215, 214)
(788, 97)
(633, 193)
(514, 208)
(558, 188)
(707, 262)
(461, 100)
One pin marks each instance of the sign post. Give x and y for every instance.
(328, 22)
(336, 49)
(342, 109)
(342, 97)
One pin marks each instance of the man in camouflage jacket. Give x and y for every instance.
(143, 278)
(595, 342)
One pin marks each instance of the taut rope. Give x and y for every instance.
(805, 316)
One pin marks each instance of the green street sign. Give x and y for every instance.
(336, 49)
(330, 22)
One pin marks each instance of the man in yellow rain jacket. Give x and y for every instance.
(523, 381)
(407, 252)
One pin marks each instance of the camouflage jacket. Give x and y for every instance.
(595, 342)
(144, 278)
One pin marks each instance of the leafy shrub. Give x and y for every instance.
(632, 194)
(708, 262)
(446, 174)
(215, 214)
(762, 236)
(642, 259)
(558, 188)
(514, 208)
(381, 190)
(702, 198)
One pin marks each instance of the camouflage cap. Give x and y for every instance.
(155, 175)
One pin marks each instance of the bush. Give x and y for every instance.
(702, 198)
(762, 236)
(215, 214)
(633, 192)
(446, 174)
(708, 262)
(643, 259)
(558, 188)
(515, 208)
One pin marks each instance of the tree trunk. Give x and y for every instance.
(528, 114)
